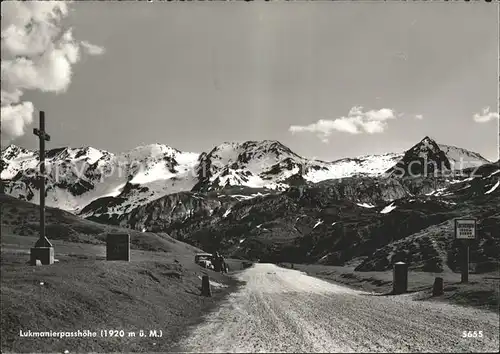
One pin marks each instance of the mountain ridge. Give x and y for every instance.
(34, 151)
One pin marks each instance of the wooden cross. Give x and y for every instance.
(43, 137)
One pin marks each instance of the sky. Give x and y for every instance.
(327, 79)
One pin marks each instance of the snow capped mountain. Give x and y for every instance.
(252, 164)
(76, 177)
(270, 164)
(24, 159)
(428, 157)
(80, 177)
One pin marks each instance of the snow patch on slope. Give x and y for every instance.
(318, 223)
(493, 188)
(494, 173)
(366, 205)
(388, 209)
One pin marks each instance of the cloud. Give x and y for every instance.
(419, 116)
(356, 122)
(15, 118)
(92, 49)
(485, 115)
(38, 52)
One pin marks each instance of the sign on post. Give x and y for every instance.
(465, 230)
(118, 247)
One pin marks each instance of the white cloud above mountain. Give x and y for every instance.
(357, 121)
(485, 115)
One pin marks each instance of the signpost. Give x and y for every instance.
(43, 249)
(465, 230)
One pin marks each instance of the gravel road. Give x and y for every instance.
(284, 310)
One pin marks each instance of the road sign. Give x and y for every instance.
(465, 229)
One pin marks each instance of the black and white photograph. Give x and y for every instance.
(250, 176)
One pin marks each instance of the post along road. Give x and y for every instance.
(283, 310)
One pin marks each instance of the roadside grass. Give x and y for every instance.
(482, 290)
(152, 292)
(159, 289)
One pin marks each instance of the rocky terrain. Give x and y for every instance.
(334, 222)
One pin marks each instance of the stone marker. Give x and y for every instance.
(118, 247)
(217, 265)
(437, 289)
(205, 286)
(42, 255)
(400, 278)
(291, 266)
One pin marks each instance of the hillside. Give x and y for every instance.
(21, 219)
(335, 221)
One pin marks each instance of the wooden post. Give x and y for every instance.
(205, 286)
(42, 137)
(465, 262)
(437, 289)
(43, 250)
(465, 230)
(291, 265)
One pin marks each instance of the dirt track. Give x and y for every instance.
(283, 310)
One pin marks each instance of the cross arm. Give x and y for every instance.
(41, 134)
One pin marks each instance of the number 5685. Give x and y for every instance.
(472, 334)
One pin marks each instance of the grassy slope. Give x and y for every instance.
(155, 294)
(20, 218)
(158, 290)
(482, 291)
